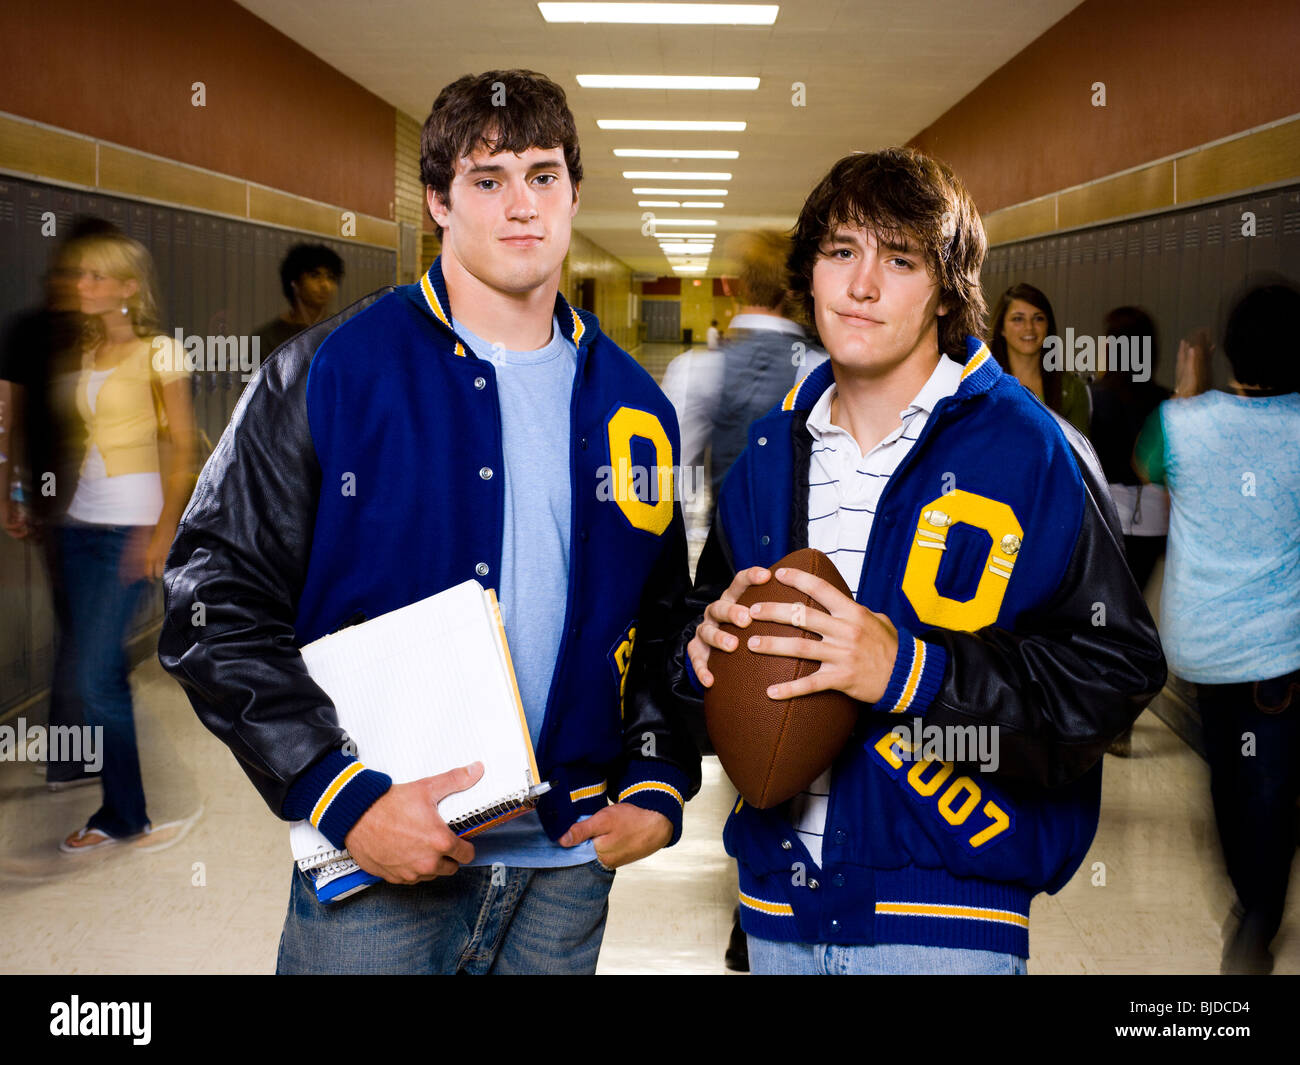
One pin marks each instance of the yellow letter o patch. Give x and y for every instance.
(919, 579)
(657, 515)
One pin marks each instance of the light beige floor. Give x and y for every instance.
(213, 900)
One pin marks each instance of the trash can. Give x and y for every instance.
(686, 337)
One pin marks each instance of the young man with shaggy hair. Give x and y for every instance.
(989, 591)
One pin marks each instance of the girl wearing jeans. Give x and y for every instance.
(129, 497)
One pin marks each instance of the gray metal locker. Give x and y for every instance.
(267, 297)
(1289, 250)
(1085, 273)
(992, 274)
(354, 271)
(36, 248)
(1054, 284)
(230, 315)
(1037, 262)
(1016, 264)
(138, 217)
(1096, 269)
(40, 621)
(24, 286)
(20, 274)
(1079, 284)
(1132, 285)
(1191, 312)
(1112, 291)
(209, 275)
(116, 212)
(1265, 245)
(181, 297)
(208, 286)
(1148, 290)
(243, 304)
(15, 622)
(160, 245)
(1214, 285)
(1165, 303)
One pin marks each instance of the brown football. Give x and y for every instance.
(773, 750)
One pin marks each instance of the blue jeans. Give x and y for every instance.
(100, 608)
(65, 704)
(482, 919)
(1255, 793)
(770, 958)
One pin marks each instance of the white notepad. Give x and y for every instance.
(421, 690)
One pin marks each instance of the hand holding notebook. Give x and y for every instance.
(422, 692)
(403, 839)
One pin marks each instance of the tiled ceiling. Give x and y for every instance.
(874, 74)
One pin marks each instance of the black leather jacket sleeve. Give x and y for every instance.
(1076, 672)
(234, 576)
(649, 708)
(714, 573)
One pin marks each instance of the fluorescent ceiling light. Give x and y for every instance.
(676, 153)
(684, 236)
(703, 203)
(664, 14)
(660, 203)
(669, 124)
(682, 249)
(690, 269)
(686, 222)
(679, 192)
(674, 175)
(665, 81)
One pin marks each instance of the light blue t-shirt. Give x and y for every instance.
(1230, 609)
(534, 389)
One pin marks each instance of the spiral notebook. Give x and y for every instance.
(420, 690)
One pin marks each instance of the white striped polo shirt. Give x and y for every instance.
(844, 487)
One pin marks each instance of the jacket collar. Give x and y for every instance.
(584, 326)
(980, 371)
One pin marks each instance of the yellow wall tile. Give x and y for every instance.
(1258, 159)
(1148, 189)
(48, 153)
(134, 174)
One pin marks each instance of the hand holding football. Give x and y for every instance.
(782, 704)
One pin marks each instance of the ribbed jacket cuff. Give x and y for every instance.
(916, 678)
(334, 793)
(657, 786)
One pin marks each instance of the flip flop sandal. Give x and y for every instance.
(87, 839)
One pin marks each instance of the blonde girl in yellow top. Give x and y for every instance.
(131, 403)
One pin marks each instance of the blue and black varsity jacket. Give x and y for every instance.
(357, 476)
(996, 552)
